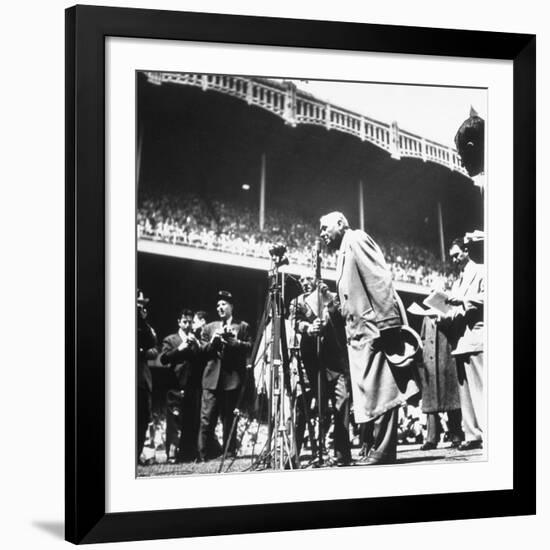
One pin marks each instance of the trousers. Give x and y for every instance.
(454, 425)
(336, 390)
(470, 391)
(214, 404)
(380, 435)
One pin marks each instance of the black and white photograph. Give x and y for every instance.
(275, 274)
(310, 281)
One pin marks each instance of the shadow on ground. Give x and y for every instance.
(406, 454)
(54, 528)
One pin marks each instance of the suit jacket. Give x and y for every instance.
(225, 363)
(467, 320)
(369, 305)
(185, 363)
(333, 349)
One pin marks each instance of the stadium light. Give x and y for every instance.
(245, 187)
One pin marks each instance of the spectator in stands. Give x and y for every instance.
(185, 219)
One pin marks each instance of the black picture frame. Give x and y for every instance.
(86, 30)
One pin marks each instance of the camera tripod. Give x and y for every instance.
(286, 392)
(270, 348)
(279, 451)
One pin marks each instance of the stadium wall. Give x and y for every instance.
(248, 262)
(173, 282)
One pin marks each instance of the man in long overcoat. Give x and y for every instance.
(373, 318)
(438, 377)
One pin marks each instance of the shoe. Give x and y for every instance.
(364, 451)
(428, 446)
(341, 461)
(362, 459)
(187, 458)
(456, 444)
(470, 445)
(375, 461)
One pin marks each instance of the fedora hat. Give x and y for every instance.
(412, 343)
(141, 299)
(226, 296)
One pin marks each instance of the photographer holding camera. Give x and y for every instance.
(181, 353)
(226, 344)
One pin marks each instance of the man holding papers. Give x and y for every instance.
(466, 317)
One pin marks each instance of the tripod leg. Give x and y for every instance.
(261, 338)
(286, 452)
(305, 402)
(261, 329)
(236, 417)
(232, 461)
(320, 412)
(285, 360)
(278, 445)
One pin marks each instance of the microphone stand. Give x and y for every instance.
(321, 377)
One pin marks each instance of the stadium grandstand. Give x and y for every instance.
(221, 177)
(233, 228)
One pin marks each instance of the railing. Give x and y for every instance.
(256, 254)
(298, 107)
(194, 252)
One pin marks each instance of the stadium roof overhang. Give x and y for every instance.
(296, 107)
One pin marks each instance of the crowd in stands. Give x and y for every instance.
(232, 227)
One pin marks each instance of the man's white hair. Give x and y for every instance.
(336, 217)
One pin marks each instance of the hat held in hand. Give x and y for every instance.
(400, 345)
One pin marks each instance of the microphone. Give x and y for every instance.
(317, 245)
(317, 258)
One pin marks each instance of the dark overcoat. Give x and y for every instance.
(369, 305)
(438, 375)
